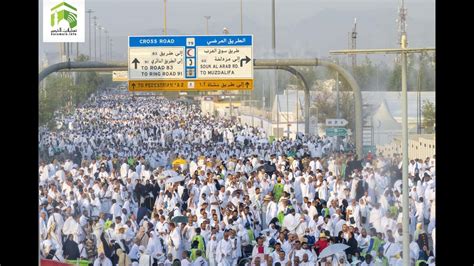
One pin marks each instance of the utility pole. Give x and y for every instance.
(207, 24)
(226, 31)
(406, 239)
(418, 113)
(241, 19)
(405, 203)
(164, 29)
(68, 45)
(106, 44)
(377, 76)
(241, 32)
(297, 111)
(348, 45)
(337, 95)
(95, 38)
(60, 52)
(100, 42)
(420, 80)
(275, 71)
(287, 115)
(90, 47)
(354, 45)
(111, 54)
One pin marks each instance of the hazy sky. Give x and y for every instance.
(304, 28)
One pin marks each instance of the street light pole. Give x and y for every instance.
(241, 32)
(111, 55)
(337, 95)
(287, 115)
(241, 20)
(275, 71)
(164, 29)
(273, 27)
(297, 111)
(406, 233)
(90, 47)
(226, 31)
(106, 44)
(100, 42)
(207, 24)
(95, 38)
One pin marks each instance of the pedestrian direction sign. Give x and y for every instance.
(187, 63)
(336, 122)
(184, 85)
(336, 131)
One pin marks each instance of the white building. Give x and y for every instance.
(419, 146)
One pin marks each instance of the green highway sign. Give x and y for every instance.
(336, 131)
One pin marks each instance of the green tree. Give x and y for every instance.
(429, 116)
(365, 74)
(395, 82)
(53, 96)
(60, 92)
(325, 105)
(427, 72)
(425, 66)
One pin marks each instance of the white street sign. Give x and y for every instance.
(225, 62)
(336, 122)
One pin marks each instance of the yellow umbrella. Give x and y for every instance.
(179, 161)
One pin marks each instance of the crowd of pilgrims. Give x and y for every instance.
(144, 180)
